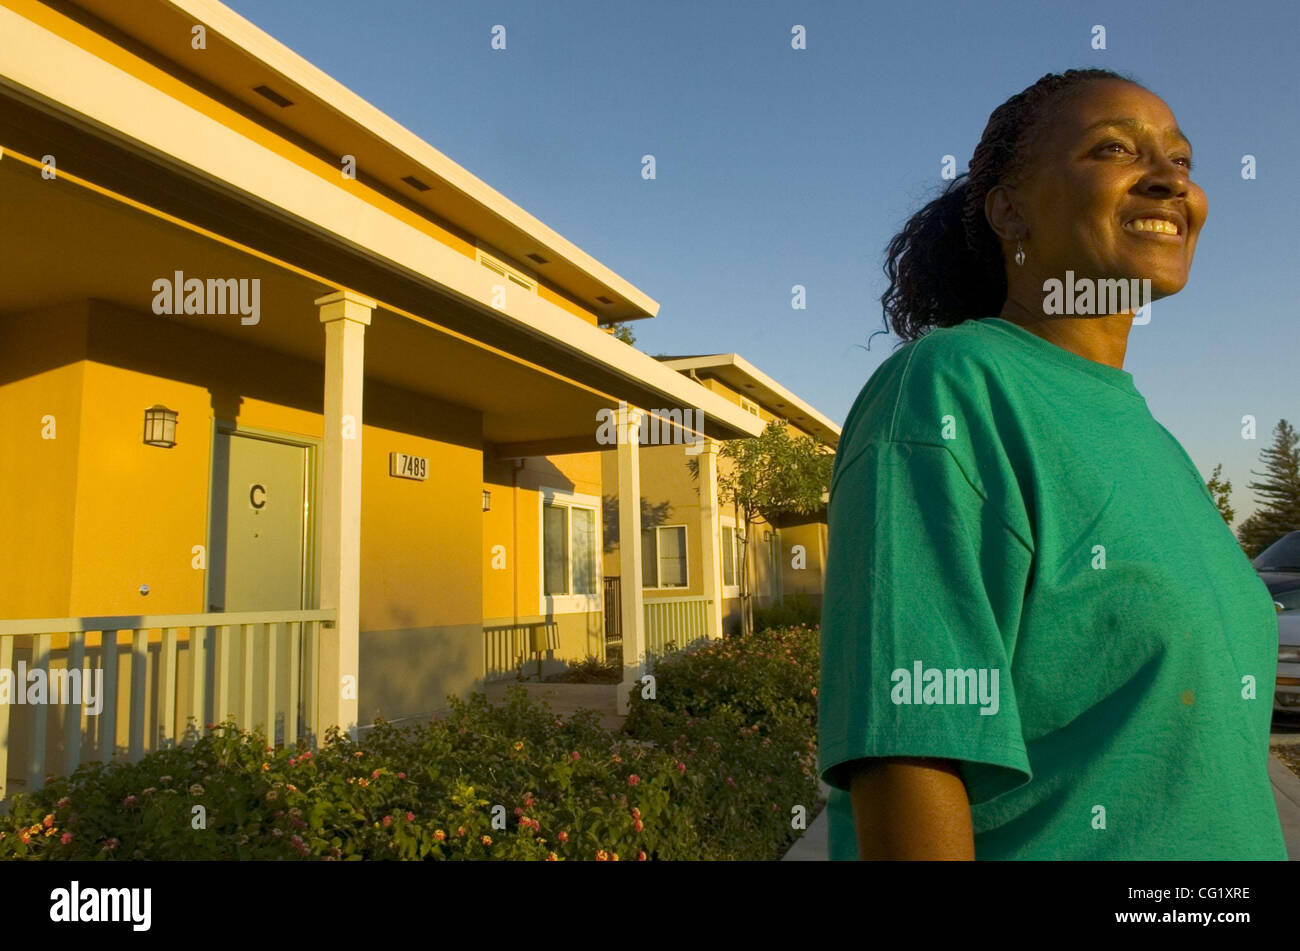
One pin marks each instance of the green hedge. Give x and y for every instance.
(792, 611)
(709, 769)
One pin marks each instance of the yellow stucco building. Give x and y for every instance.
(298, 418)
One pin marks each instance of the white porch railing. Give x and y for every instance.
(260, 666)
(508, 646)
(682, 621)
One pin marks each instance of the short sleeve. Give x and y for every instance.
(925, 586)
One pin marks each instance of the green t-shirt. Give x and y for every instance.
(1028, 575)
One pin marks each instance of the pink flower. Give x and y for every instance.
(519, 810)
(636, 813)
(638, 825)
(388, 820)
(575, 756)
(730, 781)
(681, 767)
(641, 856)
(633, 779)
(401, 775)
(65, 838)
(563, 836)
(410, 816)
(64, 802)
(129, 801)
(375, 774)
(439, 835)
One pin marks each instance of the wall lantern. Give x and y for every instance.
(487, 500)
(160, 426)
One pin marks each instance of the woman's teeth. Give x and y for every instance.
(1158, 225)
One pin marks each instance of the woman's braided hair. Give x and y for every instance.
(946, 265)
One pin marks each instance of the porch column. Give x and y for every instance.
(345, 316)
(629, 553)
(710, 537)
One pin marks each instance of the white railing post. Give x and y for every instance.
(108, 715)
(72, 714)
(269, 675)
(39, 714)
(139, 681)
(167, 688)
(6, 663)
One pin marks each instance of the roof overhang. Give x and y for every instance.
(151, 151)
(743, 377)
(238, 58)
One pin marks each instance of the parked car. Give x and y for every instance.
(1286, 696)
(1279, 568)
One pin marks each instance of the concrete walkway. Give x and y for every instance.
(813, 845)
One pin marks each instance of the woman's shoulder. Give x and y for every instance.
(925, 387)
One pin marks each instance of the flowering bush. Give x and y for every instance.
(505, 781)
(740, 715)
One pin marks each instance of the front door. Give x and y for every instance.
(260, 536)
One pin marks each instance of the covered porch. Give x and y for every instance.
(353, 355)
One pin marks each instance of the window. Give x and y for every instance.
(568, 526)
(663, 557)
(729, 557)
(748, 406)
(774, 556)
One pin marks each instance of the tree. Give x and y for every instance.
(770, 475)
(653, 514)
(1278, 494)
(623, 332)
(1220, 492)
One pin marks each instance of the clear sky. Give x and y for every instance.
(778, 167)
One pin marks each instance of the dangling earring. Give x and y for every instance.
(1020, 253)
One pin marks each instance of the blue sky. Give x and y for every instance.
(778, 167)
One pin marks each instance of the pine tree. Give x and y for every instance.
(1221, 492)
(1278, 493)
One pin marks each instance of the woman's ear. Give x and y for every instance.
(1002, 209)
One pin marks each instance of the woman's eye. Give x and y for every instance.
(1114, 145)
(1186, 160)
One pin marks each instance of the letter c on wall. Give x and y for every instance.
(253, 500)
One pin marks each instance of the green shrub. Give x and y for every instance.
(703, 774)
(742, 713)
(792, 611)
(591, 670)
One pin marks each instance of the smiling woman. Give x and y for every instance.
(1003, 501)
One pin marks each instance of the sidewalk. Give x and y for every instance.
(813, 845)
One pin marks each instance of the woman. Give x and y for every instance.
(1040, 639)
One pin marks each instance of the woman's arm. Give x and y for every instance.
(911, 808)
